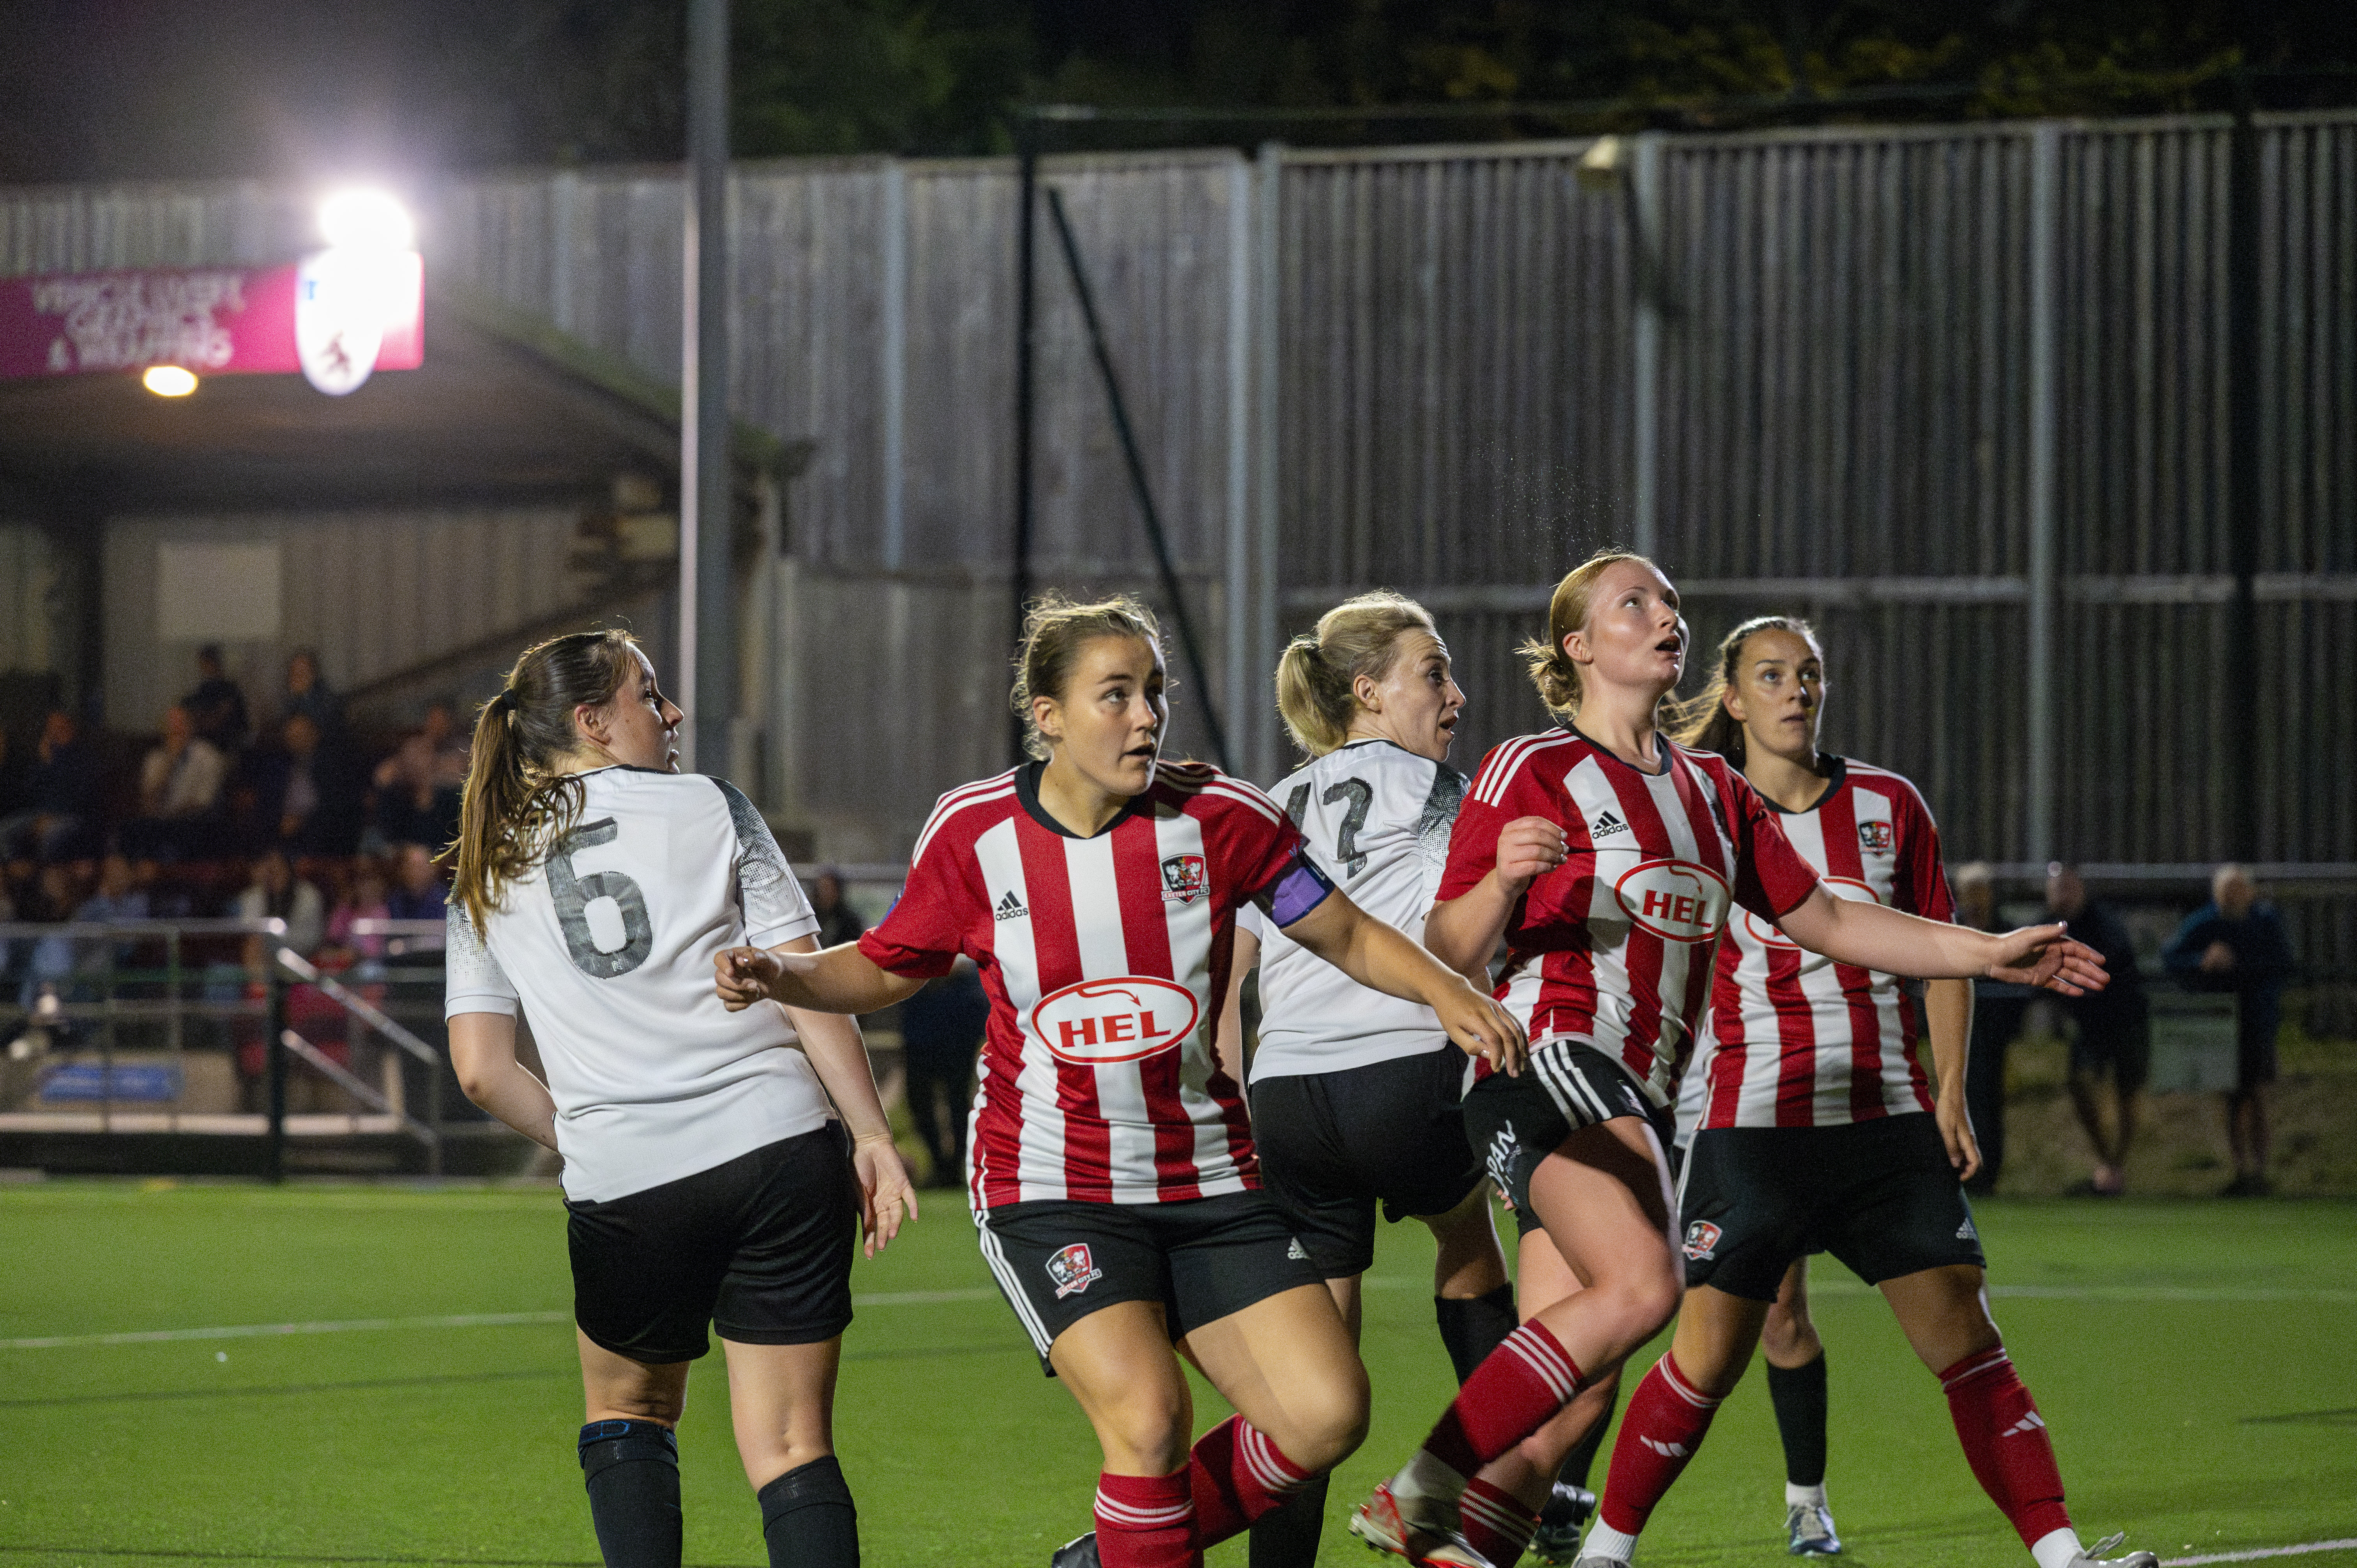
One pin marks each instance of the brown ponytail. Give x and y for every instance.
(1551, 671)
(1318, 678)
(515, 801)
(1702, 723)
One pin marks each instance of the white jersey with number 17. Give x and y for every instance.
(1377, 817)
(607, 945)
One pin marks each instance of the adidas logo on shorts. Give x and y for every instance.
(1297, 1252)
(1010, 908)
(1965, 1232)
(1605, 824)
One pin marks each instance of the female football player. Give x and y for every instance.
(1354, 1092)
(1816, 1131)
(1111, 1166)
(1609, 858)
(596, 886)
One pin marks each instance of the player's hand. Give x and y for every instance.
(1528, 848)
(2043, 957)
(2217, 959)
(1956, 1123)
(743, 976)
(886, 1197)
(1478, 1026)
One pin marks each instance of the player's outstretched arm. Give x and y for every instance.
(1871, 936)
(833, 1043)
(1383, 958)
(837, 979)
(1948, 1017)
(482, 1053)
(1228, 1040)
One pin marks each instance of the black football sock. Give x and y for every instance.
(1287, 1538)
(1799, 1393)
(631, 1468)
(808, 1518)
(1472, 1328)
(1582, 1458)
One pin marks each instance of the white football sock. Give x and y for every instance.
(1603, 1540)
(2056, 1548)
(1804, 1497)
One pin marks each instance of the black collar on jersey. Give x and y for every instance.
(1606, 752)
(1027, 790)
(1836, 770)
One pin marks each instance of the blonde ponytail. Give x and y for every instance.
(1316, 679)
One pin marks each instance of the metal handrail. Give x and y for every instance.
(359, 1007)
(357, 1087)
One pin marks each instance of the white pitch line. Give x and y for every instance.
(456, 1320)
(2301, 1550)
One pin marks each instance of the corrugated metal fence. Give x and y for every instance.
(1855, 373)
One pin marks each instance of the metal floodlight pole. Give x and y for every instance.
(1137, 481)
(2244, 496)
(708, 640)
(1027, 145)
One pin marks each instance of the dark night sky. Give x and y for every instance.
(173, 89)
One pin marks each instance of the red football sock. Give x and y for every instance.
(1512, 1393)
(1146, 1521)
(2004, 1438)
(1665, 1424)
(1495, 1522)
(1237, 1474)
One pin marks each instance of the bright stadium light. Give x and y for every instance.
(366, 221)
(168, 380)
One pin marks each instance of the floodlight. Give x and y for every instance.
(1601, 166)
(168, 380)
(366, 221)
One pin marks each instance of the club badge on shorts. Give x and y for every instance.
(1184, 878)
(1073, 1270)
(1702, 1239)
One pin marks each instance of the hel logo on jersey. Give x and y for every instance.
(1099, 1022)
(1184, 879)
(1874, 837)
(1073, 1270)
(1702, 1239)
(1675, 899)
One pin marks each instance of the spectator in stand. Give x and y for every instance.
(308, 693)
(275, 893)
(417, 785)
(364, 901)
(418, 893)
(179, 793)
(308, 800)
(60, 793)
(48, 973)
(217, 706)
(1998, 1009)
(838, 922)
(2236, 943)
(2114, 1031)
(941, 1031)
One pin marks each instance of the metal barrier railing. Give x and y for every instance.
(78, 993)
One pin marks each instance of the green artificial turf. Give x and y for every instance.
(2196, 1362)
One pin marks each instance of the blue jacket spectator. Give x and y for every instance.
(62, 793)
(2236, 943)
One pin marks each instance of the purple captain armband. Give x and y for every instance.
(1299, 888)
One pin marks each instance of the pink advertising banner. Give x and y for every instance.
(213, 320)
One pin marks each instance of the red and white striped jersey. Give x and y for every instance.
(1614, 946)
(1797, 1040)
(1106, 962)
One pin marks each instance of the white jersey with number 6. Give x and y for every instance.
(609, 944)
(1377, 817)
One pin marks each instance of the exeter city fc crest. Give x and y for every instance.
(1874, 837)
(1702, 1239)
(1184, 879)
(1073, 1270)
